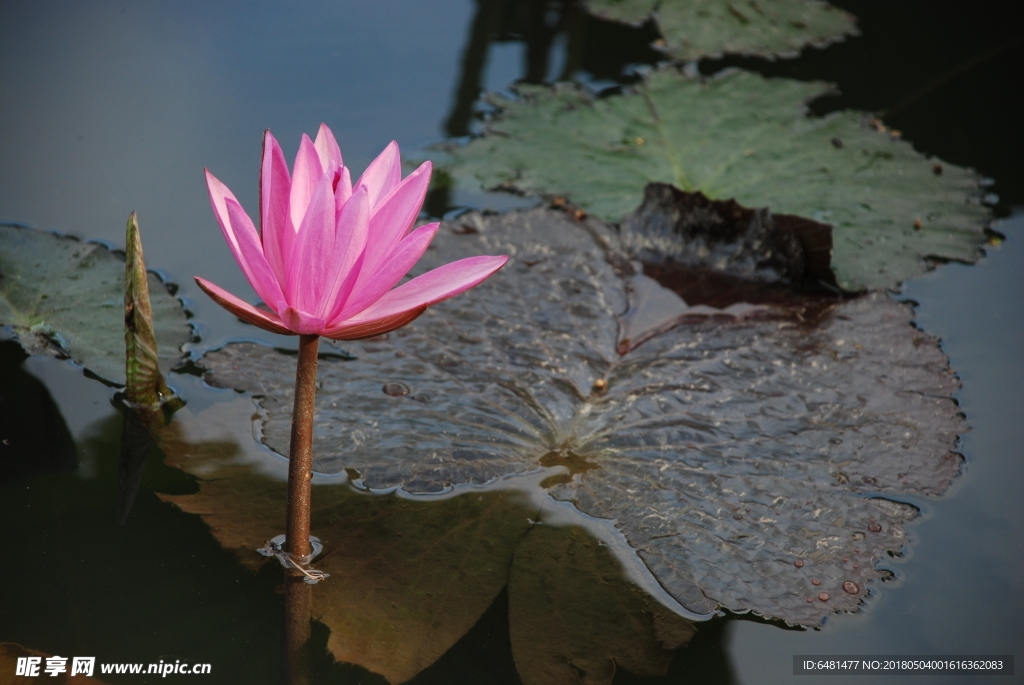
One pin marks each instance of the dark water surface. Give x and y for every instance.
(110, 107)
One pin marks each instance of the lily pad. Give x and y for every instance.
(66, 297)
(409, 578)
(693, 29)
(742, 459)
(737, 136)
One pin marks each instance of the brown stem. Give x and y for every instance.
(300, 464)
(298, 599)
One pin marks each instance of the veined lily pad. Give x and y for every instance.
(693, 29)
(740, 136)
(409, 578)
(741, 459)
(64, 296)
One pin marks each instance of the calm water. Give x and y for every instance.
(114, 107)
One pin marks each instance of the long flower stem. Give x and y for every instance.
(300, 464)
(298, 598)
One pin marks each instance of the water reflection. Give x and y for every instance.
(156, 588)
(410, 577)
(136, 444)
(561, 42)
(33, 436)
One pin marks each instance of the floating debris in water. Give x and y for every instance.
(396, 389)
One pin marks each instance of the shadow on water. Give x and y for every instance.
(33, 436)
(159, 587)
(927, 69)
(484, 657)
(604, 50)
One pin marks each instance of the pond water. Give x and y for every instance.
(112, 107)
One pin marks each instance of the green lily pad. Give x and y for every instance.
(693, 29)
(741, 457)
(740, 136)
(409, 578)
(66, 297)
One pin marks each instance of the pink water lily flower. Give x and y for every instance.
(329, 253)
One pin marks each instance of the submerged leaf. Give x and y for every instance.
(693, 29)
(66, 297)
(409, 578)
(740, 459)
(740, 136)
(575, 619)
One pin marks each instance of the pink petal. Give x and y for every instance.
(393, 217)
(275, 223)
(243, 240)
(305, 177)
(327, 148)
(313, 251)
(432, 287)
(383, 174)
(405, 256)
(368, 329)
(300, 322)
(219, 193)
(250, 256)
(349, 240)
(343, 191)
(243, 310)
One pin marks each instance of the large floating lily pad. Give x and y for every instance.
(738, 136)
(64, 296)
(409, 578)
(692, 29)
(741, 458)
